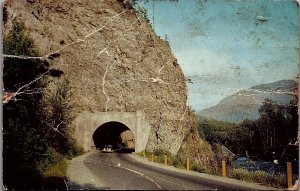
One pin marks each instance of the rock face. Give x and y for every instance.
(113, 59)
(128, 139)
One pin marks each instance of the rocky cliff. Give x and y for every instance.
(113, 59)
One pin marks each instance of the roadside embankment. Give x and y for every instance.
(223, 182)
(80, 176)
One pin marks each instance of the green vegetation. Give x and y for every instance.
(214, 131)
(59, 169)
(217, 133)
(144, 13)
(247, 136)
(159, 157)
(55, 114)
(270, 136)
(268, 179)
(176, 161)
(274, 180)
(134, 2)
(35, 133)
(267, 138)
(140, 9)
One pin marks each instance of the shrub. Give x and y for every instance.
(52, 158)
(56, 113)
(179, 162)
(160, 156)
(24, 142)
(269, 179)
(31, 143)
(58, 169)
(198, 168)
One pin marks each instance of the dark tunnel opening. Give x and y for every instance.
(115, 134)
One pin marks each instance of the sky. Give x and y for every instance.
(225, 46)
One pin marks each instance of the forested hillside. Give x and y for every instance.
(273, 135)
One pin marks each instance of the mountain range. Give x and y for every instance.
(246, 103)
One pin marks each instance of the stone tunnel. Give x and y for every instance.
(96, 129)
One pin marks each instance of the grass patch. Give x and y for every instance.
(176, 161)
(268, 179)
(262, 177)
(159, 157)
(54, 176)
(59, 169)
(196, 167)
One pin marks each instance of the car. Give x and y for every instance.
(107, 149)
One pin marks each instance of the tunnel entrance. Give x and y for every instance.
(116, 134)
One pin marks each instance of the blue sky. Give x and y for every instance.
(228, 45)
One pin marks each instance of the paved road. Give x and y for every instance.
(119, 171)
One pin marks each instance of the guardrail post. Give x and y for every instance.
(166, 160)
(223, 168)
(152, 157)
(289, 174)
(187, 164)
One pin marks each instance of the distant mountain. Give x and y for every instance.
(245, 104)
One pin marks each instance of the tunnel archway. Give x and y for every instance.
(116, 134)
(86, 123)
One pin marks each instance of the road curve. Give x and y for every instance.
(119, 171)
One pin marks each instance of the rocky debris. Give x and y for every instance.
(113, 59)
(198, 151)
(127, 139)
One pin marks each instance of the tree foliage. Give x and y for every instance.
(137, 5)
(29, 145)
(134, 2)
(57, 117)
(214, 131)
(19, 72)
(24, 146)
(269, 137)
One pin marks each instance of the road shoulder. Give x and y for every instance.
(80, 177)
(218, 180)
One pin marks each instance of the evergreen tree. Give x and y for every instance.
(24, 145)
(35, 126)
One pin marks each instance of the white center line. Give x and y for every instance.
(141, 174)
